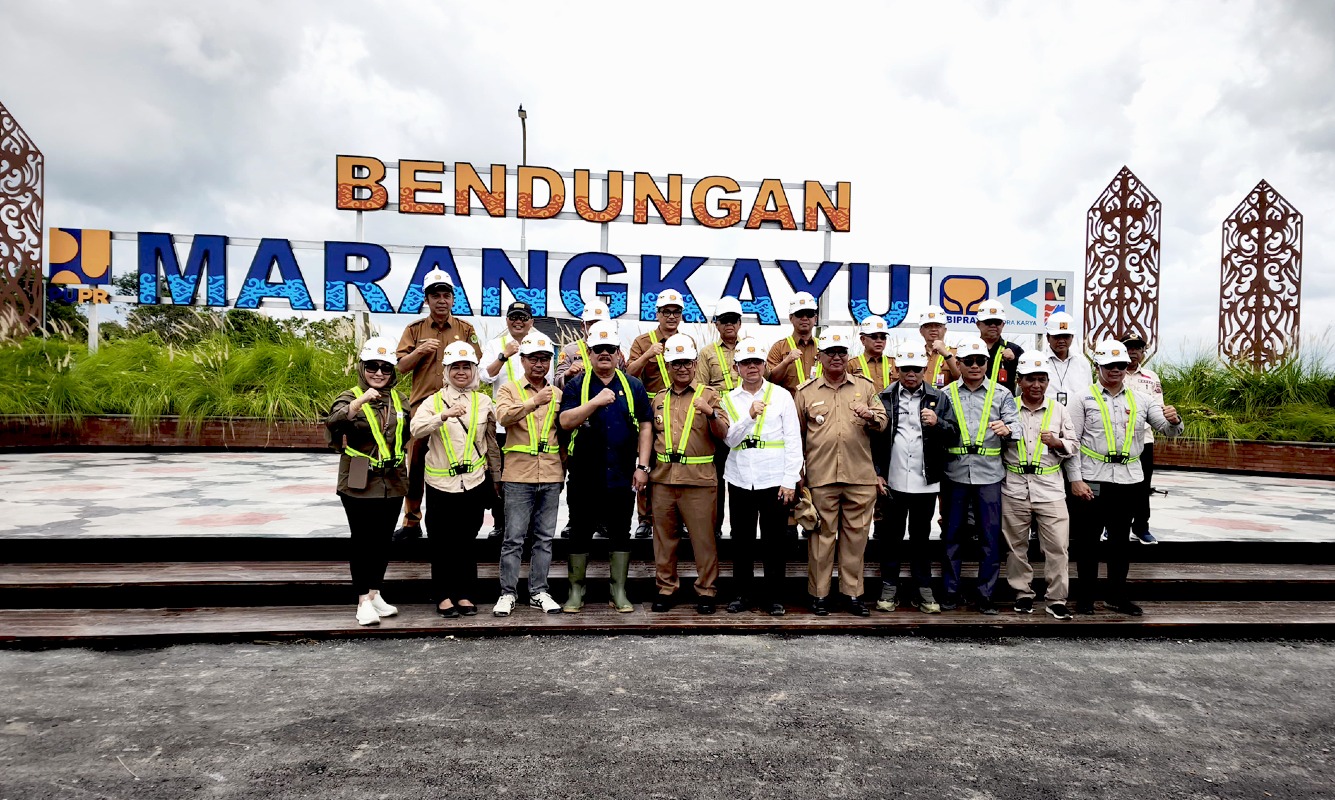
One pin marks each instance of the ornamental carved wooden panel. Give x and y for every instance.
(1122, 263)
(1261, 280)
(21, 178)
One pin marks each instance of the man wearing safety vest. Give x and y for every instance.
(500, 365)
(606, 416)
(1146, 383)
(534, 473)
(982, 414)
(873, 363)
(575, 355)
(839, 413)
(763, 468)
(1109, 425)
(1034, 492)
(941, 367)
(689, 421)
(792, 359)
(647, 364)
(719, 372)
(1001, 354)
(420, 350)
(1069, 372)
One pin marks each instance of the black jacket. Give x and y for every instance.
(935, 438)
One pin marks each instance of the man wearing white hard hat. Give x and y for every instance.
(763, 467)
(1001, 354)
(1034, 492)
(419, 353)
(839, 413)
(606, 416)
(982, 415)
(647, 364)
(1069, 372)
(1109, 425)
(910, 462)
(719, 372)
(367, 425)
(1146, 382)
(792, 360)
(941, 368)
(534, 473)
(575, 355)
(872, 363)
(689, 422)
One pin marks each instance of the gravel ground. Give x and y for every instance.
(664, 717)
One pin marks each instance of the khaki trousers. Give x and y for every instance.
(695, 507)
(845, 512)
(1054, 532)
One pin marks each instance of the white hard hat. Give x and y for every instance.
(932, 315)
(991, 309)
(459, 351)
(436, 277)
(679, 347)
(594, 311)
(971, 346)
(1110, 351)
(911, 355)
(670, 297)
(1061, 324)
(833, 339)
(604, 332)
(1032, 362)
(802, 301)
(874, 324)
(748, 350)
(727, 305)
(379, 348)
(535, 342)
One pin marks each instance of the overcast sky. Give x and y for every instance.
(974, 134)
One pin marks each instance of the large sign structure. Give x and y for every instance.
(1122, 262)
(1030, 296)
(1261, 281)
(22, 178)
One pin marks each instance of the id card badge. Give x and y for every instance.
(358, 466)
(1061, 397)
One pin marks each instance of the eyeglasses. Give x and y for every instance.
(383, 367)
(879, 337)
(910, 369)
(974, 361)
(604, 349)
(805, 314)
(538, 356)
(682, 364)
(729, 319)
(670, 312)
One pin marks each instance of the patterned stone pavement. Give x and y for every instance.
(111, 494)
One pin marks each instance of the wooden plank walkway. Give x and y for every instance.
(44, 627)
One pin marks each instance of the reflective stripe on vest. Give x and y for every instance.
(584, 354)
(754, 441)
(679, 455)
(885, 370)
(996, 362)
(584, 398)
(394, 457)
(1122, 456)
(724, 366)
(802, 373)
(456, 466)
(542, 442)
(1029, 459)
(662, 365)
(976, 447)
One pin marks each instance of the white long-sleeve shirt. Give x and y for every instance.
(1069, 378)
(763, 467)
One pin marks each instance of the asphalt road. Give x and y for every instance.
(666, 717)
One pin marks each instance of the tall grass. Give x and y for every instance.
(1294, 401)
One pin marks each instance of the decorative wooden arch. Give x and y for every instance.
(22, 172)
(1261, 280)
(1122, 263)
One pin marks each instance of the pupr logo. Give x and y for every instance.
(80, 256)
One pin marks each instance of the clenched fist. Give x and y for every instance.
(605, 398)
(757, 408)
(544, 395)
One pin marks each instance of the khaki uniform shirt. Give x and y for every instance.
(655, 376)
(836, 442)
(1033, 487)
(426, 422)
(514, 414)
(721, 376)
(429, 373)
(701, 441)
(355, 432)
(793, 375)
(940, 371)
(880, 371)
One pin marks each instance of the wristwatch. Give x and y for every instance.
(642, 468)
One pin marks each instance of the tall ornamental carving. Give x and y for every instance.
(1261, 280)
(1122, 263)
(21, 175)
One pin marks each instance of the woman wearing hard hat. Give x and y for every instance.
(459, 424)
(368, 424)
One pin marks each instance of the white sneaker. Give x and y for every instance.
(545, 602)
(366, 614)
(381, 607)
(505, 605)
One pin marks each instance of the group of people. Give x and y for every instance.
(1003, 444)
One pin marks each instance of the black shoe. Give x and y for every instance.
(705, 605)
(950, 601)
(407, 533)
(986, 606)
(777, 610)
(856, 607)
(1085, 607)
(1058, 610)
(1024, 605)
(495, 535)
(737, 606)
(820, 606)
(448, 613)
(467, 611)
(564, 533)
(662, 602)
(1127, 607)
(644, 531)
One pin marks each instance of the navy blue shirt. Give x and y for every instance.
(609, 441)
(1006, 376)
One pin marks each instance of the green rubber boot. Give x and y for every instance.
(579, 564)
(620, 569)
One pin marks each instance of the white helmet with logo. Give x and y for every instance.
(874, 324)
(604, 332)
(1031, 363)
(1060, 324)
(595, 311)
(802, 301)
(379, 348)
(1110, 351)
(727, 305)
(834, 339)
(679, 347)
(459, 351)
(535, 342)
(437, 278)
(932, 315)
(670, 297)
(971, 346)
(991, 309)
(749, 350)
(911, 355)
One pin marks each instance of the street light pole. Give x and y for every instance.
(523, 224)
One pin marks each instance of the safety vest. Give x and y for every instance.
(537, 443)
(802, 373)
(394, 457)
(936, 369)
(458, 467)
(662, 366)
(976, 448)
(1117, 456)
(754, 441)
(724, 366)
(509, 363)
(584, 354)
(678, 456)
(885, 368)
(1029, 460)
(996, 362)
(587, 378)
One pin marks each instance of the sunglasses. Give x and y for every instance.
(604, 349)
(383, 367)
(538, 356)
(880, 337)
(835, 353)
(519, 318)
(1118, 365)
(729, 319)
(808, 314)
(910, 369)
(974, 361)
(992, 322)
(751, 362)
